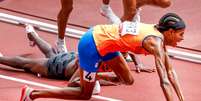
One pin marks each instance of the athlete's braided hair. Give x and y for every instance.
(170, 20)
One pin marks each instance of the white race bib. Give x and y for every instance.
(89, 76)
(129, 28)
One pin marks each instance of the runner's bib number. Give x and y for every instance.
(89, 76)
(129, 28)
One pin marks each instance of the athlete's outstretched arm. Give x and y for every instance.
(155, 46)
(172, 76)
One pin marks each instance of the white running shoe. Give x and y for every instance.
(107, 12)
(30, 32)
(97, 88)
(61, 46)
(29, 29)
(25, 94)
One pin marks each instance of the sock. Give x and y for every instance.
(107, 12)
(61, 41)
(136, 18)
(61, 45)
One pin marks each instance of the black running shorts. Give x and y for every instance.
(57, 65)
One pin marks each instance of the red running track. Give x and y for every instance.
(86, 13)
(146, 86)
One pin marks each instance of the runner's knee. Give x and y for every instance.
(86, 94)
(129, 81)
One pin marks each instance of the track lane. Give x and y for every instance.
(146, 86)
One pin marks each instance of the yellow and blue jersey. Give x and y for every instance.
(108, 39)
(103, 42)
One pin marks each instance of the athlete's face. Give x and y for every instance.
(174, 36)
(179, 36)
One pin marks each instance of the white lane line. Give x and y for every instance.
(50, 87)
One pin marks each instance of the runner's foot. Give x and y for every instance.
(25, 94)
(107, 12)
(30, 34)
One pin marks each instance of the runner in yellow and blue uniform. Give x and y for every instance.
(104, 42)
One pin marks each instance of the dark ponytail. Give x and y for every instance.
(170, 20)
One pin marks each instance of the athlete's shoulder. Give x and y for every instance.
(151, 43)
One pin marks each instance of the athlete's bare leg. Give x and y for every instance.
(121, 69)
(87, 80)
(157, 3)
(129, 10)
(44, 47)
(106, 2)
(32, 65)
(107, 12)
(69, 93)
(62, 19)
(130, 6)
(64, 13)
